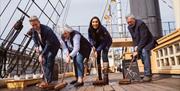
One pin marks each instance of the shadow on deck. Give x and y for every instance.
(158, 84)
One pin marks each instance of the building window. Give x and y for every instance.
(166, 62)
(177, 48)
(171, 50)
(158, 63)
(178, 59)
(161, 53)
(172, 61)
(162, 62)
(165, 51)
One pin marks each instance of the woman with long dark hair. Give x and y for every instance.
(101, 41)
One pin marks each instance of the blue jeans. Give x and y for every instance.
(48, 65)
(145, 57)
(78, 65)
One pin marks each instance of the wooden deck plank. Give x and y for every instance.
(140, 88)
(128, 88)
(98, 88)
(117, 88)
(162, 84)
(165, 88)
(90, 88)
(169, 82)
(149, 88)
(83, 88)
(72, 89)
(67, 88)
(108, 88)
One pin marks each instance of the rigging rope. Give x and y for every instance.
(66, 12)
(54, 7)
(5, 7)
(10, 19)
(53, 12)
(43, 8)
(43, 12)
(167, 4)
(61, 3)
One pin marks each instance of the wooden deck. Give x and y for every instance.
(158, 84)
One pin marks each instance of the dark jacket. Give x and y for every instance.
(100, 38)
(49, 42)
(141, 36)
(85, 46)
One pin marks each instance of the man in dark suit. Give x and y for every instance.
(44, 36)
(143, 42)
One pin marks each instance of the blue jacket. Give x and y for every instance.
(142, 37)
(49, 42)
(100, 38)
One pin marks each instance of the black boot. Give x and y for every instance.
(105, 80)
(105, 73)
(106, 77)
(99, 81)
(99, 72)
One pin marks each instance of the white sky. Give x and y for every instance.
(80, 12)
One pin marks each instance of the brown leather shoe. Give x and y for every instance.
(44, 85)
(38, 84)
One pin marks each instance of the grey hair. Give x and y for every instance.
(130, 16)
(33, 18)
(67, 28)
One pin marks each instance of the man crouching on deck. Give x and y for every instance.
(44, 36)
(79, 48)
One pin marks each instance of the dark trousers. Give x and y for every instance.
(48, 65)
(104, 58)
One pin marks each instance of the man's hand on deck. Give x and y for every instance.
(68, 58)
(41, 58)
